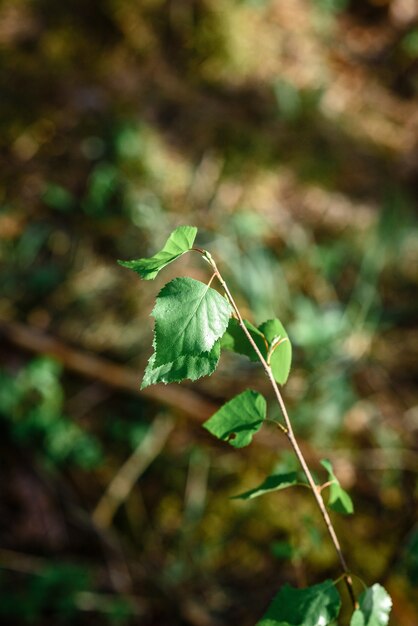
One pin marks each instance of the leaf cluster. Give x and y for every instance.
(193, 324)
(320, 605)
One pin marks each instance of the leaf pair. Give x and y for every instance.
(271, 339)
(192, 323)
(339, 500)
(320, 605)
(190, 317)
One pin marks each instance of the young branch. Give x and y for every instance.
(288, 431)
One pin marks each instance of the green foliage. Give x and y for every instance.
(375, 606)
(192, 323)
(271, 339)
(275, 482)
(279, 354)
(53, 589)
(57, 197)
(318, 605)
(331, 6)
(410, 43)
(236, 340)
(180, 241)
(338, 500)
(103, 187)
(208, 72)
(239, 419)
(184, 367)
(288, 100)
(31, 406)
(104, 190)
(282, 550)
(189, 318)
(56, 592)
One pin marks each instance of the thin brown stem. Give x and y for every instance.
(325, 485)
(211, 279)
(292, 440)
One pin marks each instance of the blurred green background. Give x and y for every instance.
(287, 132)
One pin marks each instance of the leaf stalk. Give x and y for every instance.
(288, 431)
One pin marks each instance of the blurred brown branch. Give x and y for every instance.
(180, 399)
(124, 480)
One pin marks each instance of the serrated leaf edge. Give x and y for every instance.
(179, 380)
(156, 325)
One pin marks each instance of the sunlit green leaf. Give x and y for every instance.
(236, 340)
(275, 482)
(271, 339)
(184, 367)
(180, 241)
(239, 419)
(375, 606)
(339, 500)
(189, 318)
(280, 349)
(318, 605)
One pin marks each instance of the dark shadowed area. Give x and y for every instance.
(287, 132)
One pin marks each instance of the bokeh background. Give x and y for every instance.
(287, 132)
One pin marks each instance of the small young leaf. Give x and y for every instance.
(236, 340)
(280, 349)
(275, 482)
(182, 368)
(375, 606)
(318, 605)
(180, 241)
(272, 329)
(339, 500)
(189, 318)
(239, 419)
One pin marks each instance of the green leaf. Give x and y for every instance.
(236, 340)
(189, 318)
(180, 241)
(339, 500)
(375, 606)
(318, 605)
(275, 482)
(239, 419)
(280, 349)
(182, 368)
